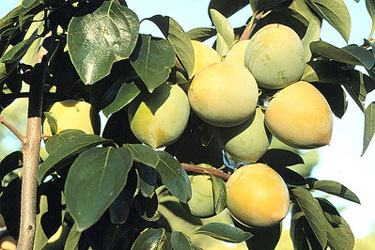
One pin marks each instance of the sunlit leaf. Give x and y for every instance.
(369, 126)
(312, 34)
(225, 232)
(150, 239)
(19, 50)
(370, 5)
(224, 30)
(180, 241)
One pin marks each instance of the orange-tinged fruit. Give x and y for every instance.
(257, 196)
(300, 116)
(224, 94)
(160, 118)
(247, 141)
(204, 56)
(237, 52)
(73, 114)
(275, 56)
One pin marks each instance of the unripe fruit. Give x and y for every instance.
(257, 196)
(73, 114)
(160, 118)
(204, 56)
(224, 94)
(247, 141)
(300, 116)
(201, 203)
(237, 52)
(275, 56)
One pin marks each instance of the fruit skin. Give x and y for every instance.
(247, 141)
(300, 116)
(237, 52)
(224, 94)
(73, 114)
(160, 118)
(275, 56)
(257, 196)
(201, 203)
(204, 56)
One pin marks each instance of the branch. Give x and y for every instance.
(202, 170)
(13, 129)
(251, 26)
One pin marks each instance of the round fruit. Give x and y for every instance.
(204, 56)
(275, 56)
(7, 242)
(257, 196)
(201, 203)
(300, 116)
(247, 141)
(160, 118)
(237, 52)
(73, 114)
(224, 94)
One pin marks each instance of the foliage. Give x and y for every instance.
(111, 191)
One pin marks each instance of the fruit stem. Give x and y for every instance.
(13, 129)
(202, 170)
(251, 25)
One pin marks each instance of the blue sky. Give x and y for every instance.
(341, 160)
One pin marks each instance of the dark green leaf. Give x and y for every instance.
(19, 50)
(101, 38)
(266, 5)
(335, 188)
(62, 137)
(227, 7)
(352, 54)
(224, 232)
(263, 238)
(336, 13)
(152, 60)
(73, 238)
(28, 3)
(6, 70)
(330, 212)
(173, 176)
(147, 207)
(297, 232)
(66, 151)
(125, 95)
(219, 191)
(51, 121)
(144, 154)
(10, 206)
(9, 20)
(201, 34)
(179, 40)
(150, 239)
(324, 72)
(279, 158)
(313, 212)
(369, 126)
(94, 181)
(370, 5)
(340, 237)
(180, 241)
(301, 7)
(147, 179)
(10, 163)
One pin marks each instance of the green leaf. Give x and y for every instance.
(152, 60)
(147, 179)
(351, 54)
(260, 5)
(144, 154)
(330, 211)
(222, 47)
(219, 191)
(173, 176)
(180, 41)
(40, 237)
(95, 179)
(225, 232)
(101, 38)
(302, 8)
(10, 162)
(6, 70)
(180, 241)
(28, 3)
(340, 237)
(336, 13)
(201, 34)
(224, 29)
(313, 212)
(279, 158)
(73, 238)
(370, 5)
(324, 72)
(125, 95)
(52, 122)
(66, 151)
(263, 238)
(65, 135)
(312, 34)
(150, 239)
(19, 50)
(369, 126)
(227, 7)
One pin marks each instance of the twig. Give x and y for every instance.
(202, 170)
(13, 129)
(251, 26)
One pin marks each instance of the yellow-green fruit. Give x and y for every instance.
(257, 196)
(275, 56)
(160, 118)
(201, 203)
(73, 114)
(237, 52)
(300, 116)
(204, 56)
(247, 141)
(224, 94)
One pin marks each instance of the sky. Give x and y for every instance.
(341, 160)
